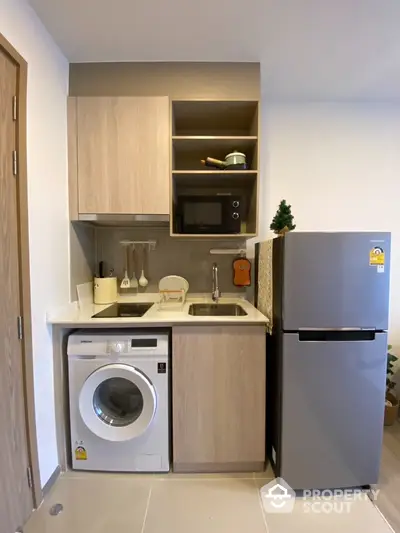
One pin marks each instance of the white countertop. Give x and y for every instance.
(73, 315)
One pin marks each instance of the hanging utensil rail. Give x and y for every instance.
(150, 244)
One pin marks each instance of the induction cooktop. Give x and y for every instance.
(124, 310)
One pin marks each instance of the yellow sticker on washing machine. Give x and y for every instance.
(376, 256)
(80, 453)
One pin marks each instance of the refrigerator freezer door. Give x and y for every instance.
(335, 280)
(333, 396)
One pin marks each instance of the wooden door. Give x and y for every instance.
(15, 495)
(218, 394)
(123, 155)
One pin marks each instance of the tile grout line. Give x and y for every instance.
(260, 503)
(147, 508)
(382, 515)
(222, 478)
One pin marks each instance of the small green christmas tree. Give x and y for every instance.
(283, 219)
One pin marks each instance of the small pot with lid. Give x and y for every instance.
(235, 161)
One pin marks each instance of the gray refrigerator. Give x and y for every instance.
(328, 303)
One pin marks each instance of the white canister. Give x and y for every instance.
(105, 290)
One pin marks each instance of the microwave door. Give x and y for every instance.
(216, 214)
(202, 217)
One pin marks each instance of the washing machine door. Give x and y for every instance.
(117, 402)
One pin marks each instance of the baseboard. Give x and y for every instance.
(219, 467)
(51, 481)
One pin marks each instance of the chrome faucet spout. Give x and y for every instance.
(215, 293)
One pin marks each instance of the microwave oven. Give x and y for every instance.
(213, 214)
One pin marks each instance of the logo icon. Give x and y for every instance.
(277, 496)
(80, 453)
(377, 256)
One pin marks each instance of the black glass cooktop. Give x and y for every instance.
(124, 310)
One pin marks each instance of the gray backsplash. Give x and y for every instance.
(188, 258)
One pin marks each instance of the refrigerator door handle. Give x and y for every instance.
(337, 335)
(337, 329)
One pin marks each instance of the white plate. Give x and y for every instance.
(173, 283)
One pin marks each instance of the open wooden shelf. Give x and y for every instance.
(213, 236)
(210, 142)
(214, 178)
(215, 117)
(229, 173)
(215, 128)
(188, 151)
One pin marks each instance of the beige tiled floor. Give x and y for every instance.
(389, 479)
(113, 503)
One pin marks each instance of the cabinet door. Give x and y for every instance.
(123, 155)
(218, 392)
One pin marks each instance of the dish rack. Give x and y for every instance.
(172, 290)
(172, 299)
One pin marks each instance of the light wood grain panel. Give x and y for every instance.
(178, 80)
(172, 199)
(15, 496)
(218, 387)
(60, 372)
(254, 209)
(123, 155)
(256, 466)
(22, 191)
(72, 159)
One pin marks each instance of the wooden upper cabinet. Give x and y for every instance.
(123, 146)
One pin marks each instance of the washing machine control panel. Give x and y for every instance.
(134, 345)
(118, 347)
(125, 343)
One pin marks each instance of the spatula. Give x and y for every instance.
(125, 283)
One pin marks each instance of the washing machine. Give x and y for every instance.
(119, 400)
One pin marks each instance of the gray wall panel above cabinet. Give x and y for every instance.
(178, 80)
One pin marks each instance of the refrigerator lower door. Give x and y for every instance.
(332, 411)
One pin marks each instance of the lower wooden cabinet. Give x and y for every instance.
(218, 398)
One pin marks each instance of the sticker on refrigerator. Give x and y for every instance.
(380, 269)
(80, 453)
(377, 257)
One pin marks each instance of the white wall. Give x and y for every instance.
(339, 167)
(47, 197)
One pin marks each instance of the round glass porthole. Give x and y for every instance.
(118, 402)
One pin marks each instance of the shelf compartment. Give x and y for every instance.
(215, 128)
(221, 236)
(202, 117)
(188, 151)
(228, 142)
(214, 172)
(214, 178)
(232, 183)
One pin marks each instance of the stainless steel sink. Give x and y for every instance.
(216, 310)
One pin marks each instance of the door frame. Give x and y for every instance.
(24, 274)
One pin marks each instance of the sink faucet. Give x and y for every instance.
(215, 294)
